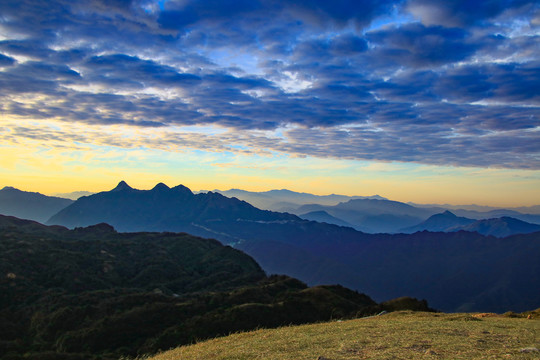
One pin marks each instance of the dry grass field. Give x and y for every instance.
(399, 335)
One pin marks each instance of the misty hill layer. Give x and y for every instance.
(92, 293)
(287, 200)
(374, 215)
(500, 227)
(462, 271)
(440, 222)
(30, 205)
(323, 216)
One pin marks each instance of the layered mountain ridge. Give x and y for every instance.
(162, 209)
(449, 269)
(499, 227)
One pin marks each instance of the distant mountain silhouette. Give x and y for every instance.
(74, 195)
(492, 214)
(386, 216)
(30, 205)
(447, 269)
(440, 222)
(482, 208)
(323, 216)
(162, 209)
(374, 215)
(287, 200)
(501, 227)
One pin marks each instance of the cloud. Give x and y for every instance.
(500, 83)
(179, 14)
(463, 12)
(415, 45)
(338, 13)
(412, 81)
(6, 60)
(133, 71)
(319, 13)
(348, 43)
(419, 143)
(31, 49)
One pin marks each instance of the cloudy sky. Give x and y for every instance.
(416, 100)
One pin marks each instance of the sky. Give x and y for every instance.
(430, 101)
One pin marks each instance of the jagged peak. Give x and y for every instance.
(161, 186)
(122, 185)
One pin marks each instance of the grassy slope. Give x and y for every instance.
(399, 335)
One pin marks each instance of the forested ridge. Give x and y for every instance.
(94, 293)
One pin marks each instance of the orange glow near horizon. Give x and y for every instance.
(62, 166)
(448, 189)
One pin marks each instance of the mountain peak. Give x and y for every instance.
(9, 188)
(161, 186)
(448, 213)
(182, 189)
(122, 185)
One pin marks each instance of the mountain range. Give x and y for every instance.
(286, 200)
(482, 208)
(368, 221)
(164, 209)
(499, 227)
(386, 216)
(371, 214)
(457, 271)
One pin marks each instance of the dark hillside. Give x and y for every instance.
(93, 293)
(459, 271)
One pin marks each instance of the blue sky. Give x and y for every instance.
(400, 98)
